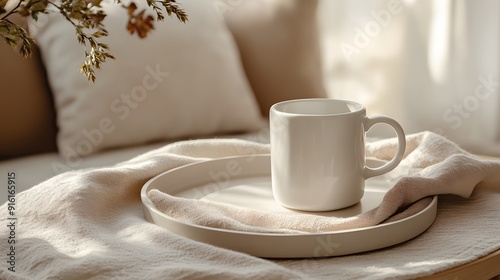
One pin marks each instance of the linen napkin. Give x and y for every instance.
(447, 169)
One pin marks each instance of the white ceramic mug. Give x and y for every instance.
(318, 153)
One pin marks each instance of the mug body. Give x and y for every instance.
(317, 153)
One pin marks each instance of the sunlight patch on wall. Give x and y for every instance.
(439, 40)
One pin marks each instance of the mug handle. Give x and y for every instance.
(371, 121)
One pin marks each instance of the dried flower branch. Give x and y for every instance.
(17, 37)
(87, 18)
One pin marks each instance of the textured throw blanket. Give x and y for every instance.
(89, 223)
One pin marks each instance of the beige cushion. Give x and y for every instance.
(184, 80)
(279, 47)
(27, 119)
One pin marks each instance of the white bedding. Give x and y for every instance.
(90, 224)
(32, 170)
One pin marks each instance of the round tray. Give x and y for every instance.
(246, 182)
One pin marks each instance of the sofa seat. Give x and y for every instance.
(34, 169)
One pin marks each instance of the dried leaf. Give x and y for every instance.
(139, 22)
(131, 8)
(10, 41)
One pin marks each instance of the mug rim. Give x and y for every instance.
(359, 107)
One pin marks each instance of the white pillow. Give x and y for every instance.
(183, 80)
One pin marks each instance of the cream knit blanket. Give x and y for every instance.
(89, 223)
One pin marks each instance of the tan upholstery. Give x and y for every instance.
(279, 46)
(27, 117)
